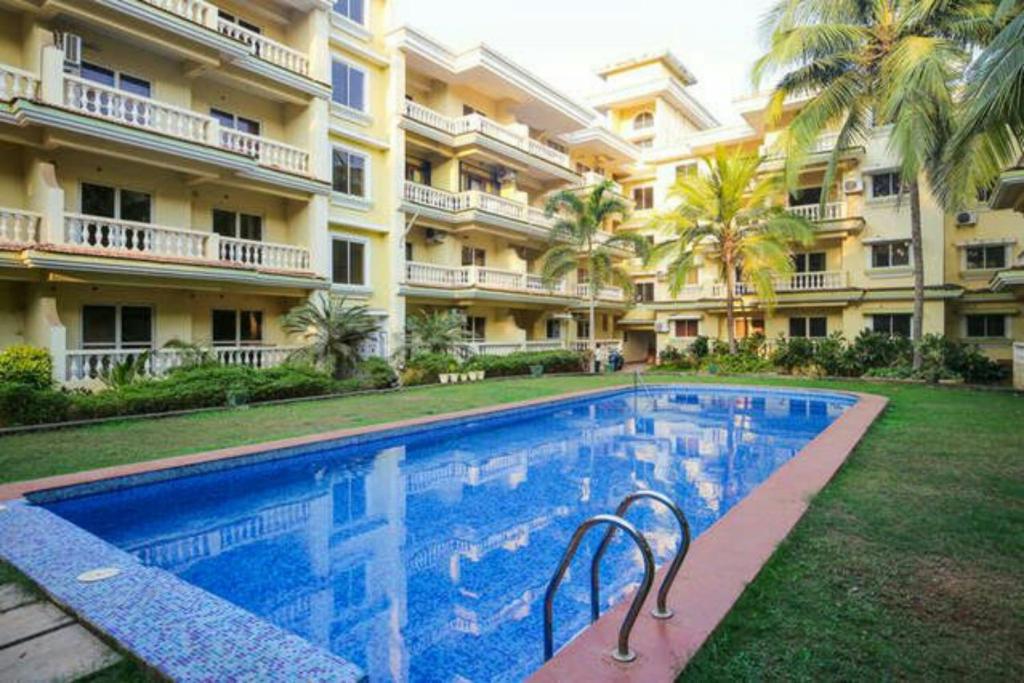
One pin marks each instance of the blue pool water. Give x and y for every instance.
(425, 556)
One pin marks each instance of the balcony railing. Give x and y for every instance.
(196, 11)
(452, 202)
(94, 99)
(798, 282)
(466, 277)
(15, 84)
(114, 237)
(474, 123)
(604, 294)
(18, 227)
(93, 364)
(834, 211)
(824, 144)
(508, 348)
(265, 48)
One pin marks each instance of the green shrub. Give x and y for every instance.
(518, 364)
(27, 404)
(875, 350)
(671, 355)
(376, 373)
(432, 365)
(26, 365)
(700, 348)
(792, 354)
(947, 359)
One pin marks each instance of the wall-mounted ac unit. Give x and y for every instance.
(436, 236)
(662, 327)
(71, 45)
(966, 219)
(853, 185)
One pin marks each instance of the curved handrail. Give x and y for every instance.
(622, 653)
(661, 611)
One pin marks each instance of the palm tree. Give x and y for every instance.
(861, 64)
(333, 332)
(577, 241)
(990, 134)
(437, 331)
(726, 210)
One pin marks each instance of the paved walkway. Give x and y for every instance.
(39, 642)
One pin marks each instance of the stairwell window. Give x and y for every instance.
(986, 326)
(237, 328)
(350, 173)
(813, 328)
(349, 85)
(894, 325)
(117, 327)
(355, 10)
(349, 261)
(890, 254)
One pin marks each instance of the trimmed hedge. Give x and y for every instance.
(26, 365)
(517, 364)
(207, 386)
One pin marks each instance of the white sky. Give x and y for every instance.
(563, 41)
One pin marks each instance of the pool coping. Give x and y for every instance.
(722, 561)
(571, 661)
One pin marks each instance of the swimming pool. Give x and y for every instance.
(424, 555)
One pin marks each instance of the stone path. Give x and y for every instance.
(39, 642)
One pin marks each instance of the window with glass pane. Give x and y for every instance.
(645, 292)
(583, 329)
(410, 251)
(476, 328)
(233, 122)
(98, 74)
(817, 327)
(250, 327)
(353, 9)
(349, 259)
(135, 86)
(349, 85)
(807, 196)
(643, 197)
(798, 327)
(98, 200)
(472, 256)
(990, 326)
(136, 327)
(225, 327)
(986, 257)
(885, 184)
(687, 329)
(99, 327)
(643, 121)
(349, 173)
(890, 255)
(136, 206)
(897, 325)
(809, 263)
(553, 329)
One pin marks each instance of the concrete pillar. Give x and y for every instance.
(51, 73)
(43, 328)
(46, 197)
(1018, 366)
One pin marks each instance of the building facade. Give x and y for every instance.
(191, 170)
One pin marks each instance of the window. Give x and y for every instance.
(237, 328)
(643, 197)
(890, 254)
(986, 326)
(809, 263)
(471, 111)
(238, 225)
(476, 328)
(886, 185)
(807, 196)
(986, 257)
(352, 9)
(349, 85)
(117, 327)
(553, 329)
(476, 179)
(746, 327)
(687, 329)
(349, 500)
(115, 79)
(689, 170)
(417, 171)
(808, 327)
(349, 173)
(232, 19)
(410, 252)
(111, 202)
(895, 325)
(349, 262)
(644, 292)
(471, 256)
(643, 121)
(583, 329)
(234, 122)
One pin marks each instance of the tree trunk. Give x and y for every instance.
(593, 330)
(730, 292)
(917, 255)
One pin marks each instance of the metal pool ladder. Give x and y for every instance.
(622, 653)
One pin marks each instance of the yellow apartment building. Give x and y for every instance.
(192, 169)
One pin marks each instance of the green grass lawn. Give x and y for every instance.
(909, 565)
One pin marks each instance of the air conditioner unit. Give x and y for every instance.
(662, 327)
(436, 236)
(853, 185)
(966, 219)
(71, 45)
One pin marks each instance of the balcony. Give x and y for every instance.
(468, 207)
(475, 277)
(126, 239)
(454, 129)
(18, 228)
(93, 364)
(17, 84)
(616, 294)
(798, 282)
(834, 211)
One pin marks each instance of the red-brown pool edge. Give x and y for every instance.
(721, 563)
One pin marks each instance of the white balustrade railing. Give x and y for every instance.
(16, 83)
(605, 293)
(196, 11)
(452, 202)
(508, 348)
(267, 152)
(584, 344)
(264, 254)
(115, 236)
(94, 364)
(797, 282)
(104, 102)
(436, 276)
(19, 227)
(834, 211)
(450, 277)
(474, 123)
(265, 48)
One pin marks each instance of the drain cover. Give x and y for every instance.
(97, 575)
